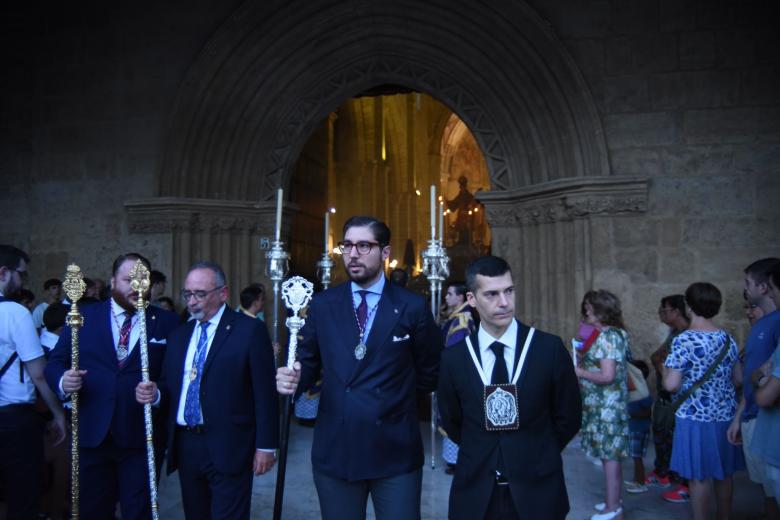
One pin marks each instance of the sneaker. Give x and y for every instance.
(634, 487)
(678, 495)
(611, 515)
(601, 506)
(653, 479)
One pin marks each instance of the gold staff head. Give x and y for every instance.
(74, 283)
(139, 279)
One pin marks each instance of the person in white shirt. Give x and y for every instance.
(21, 365)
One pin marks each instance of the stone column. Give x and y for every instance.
(225, 232)
(544, 230)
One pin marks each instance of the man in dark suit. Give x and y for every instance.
(378, 345)
(509, 397)
(112, 438)
(218, 384)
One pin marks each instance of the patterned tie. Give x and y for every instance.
(362, 310)
(500, 374)
(192, 412)
(124, 341)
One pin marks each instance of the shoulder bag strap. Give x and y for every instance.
(723, 351)
(8, 364)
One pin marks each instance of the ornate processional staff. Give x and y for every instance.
(139, 282)
(296, 292)
(74, 288)
(436, 267)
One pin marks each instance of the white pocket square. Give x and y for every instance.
(402, 338)
(161, 341)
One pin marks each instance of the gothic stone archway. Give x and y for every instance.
(276, 69)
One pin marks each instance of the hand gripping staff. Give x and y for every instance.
(296, 294)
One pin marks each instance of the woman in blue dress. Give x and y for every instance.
(700, 450)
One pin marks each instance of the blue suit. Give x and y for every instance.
(367, 426)
(239, 407)
(112, 437)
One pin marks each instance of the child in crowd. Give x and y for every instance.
(638, 432)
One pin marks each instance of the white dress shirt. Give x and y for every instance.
(117, 319)
(189, 358)
(17, 335)
(508, 338)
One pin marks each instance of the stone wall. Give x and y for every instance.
(83, 109)
(689, 93)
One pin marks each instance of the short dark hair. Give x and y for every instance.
(157, 277)
(774, 275)
(129, 256)
(378, 228)
(11, 257)
(606, 307)
(704, 299)
(250, 294)
(51, 282)
(490, 266)
(399, 276)
(214, 267)
(760, 269)
(24, 295)
(676, 302)
(459, 288)
(54, 316)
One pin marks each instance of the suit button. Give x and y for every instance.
(348, 389)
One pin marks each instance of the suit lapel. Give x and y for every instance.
(135, 353)
(106, 336)
(220, 336)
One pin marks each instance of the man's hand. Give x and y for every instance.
(263, 462)
(56, 429)
(72, 380)
(733, 433)
(287, 380)
(146, 393)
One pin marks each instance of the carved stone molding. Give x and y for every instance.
(565, 200)
(169, 214)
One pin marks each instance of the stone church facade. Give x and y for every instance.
(630, 145)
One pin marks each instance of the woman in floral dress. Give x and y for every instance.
(602, 373)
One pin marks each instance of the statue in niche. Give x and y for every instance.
(463, 203)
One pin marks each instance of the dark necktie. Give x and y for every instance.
(362, 311)
(500, 374)
(124, 340)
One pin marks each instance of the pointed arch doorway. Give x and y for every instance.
(377, 154)
(275, 70)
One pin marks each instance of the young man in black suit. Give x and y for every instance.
(509, 397)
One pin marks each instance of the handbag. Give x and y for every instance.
(637, 385)
(664, 410)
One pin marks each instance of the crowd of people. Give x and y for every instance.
(369, 348)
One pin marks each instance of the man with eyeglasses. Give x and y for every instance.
(21, 372)
(112, 437)
(377, 345)
(218, 384)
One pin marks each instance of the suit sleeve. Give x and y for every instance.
(449, 404)
(427, 348)
(261, 359)
(59, 361)
(309, 352)
(567, 403)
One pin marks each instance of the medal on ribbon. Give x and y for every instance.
(500, 404)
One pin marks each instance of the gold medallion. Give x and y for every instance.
(193, 374)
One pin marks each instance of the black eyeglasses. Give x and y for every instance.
(198, 295)
(24, 275)
(363, 247)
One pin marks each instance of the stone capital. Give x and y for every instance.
(169, 214)
(565, 200)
